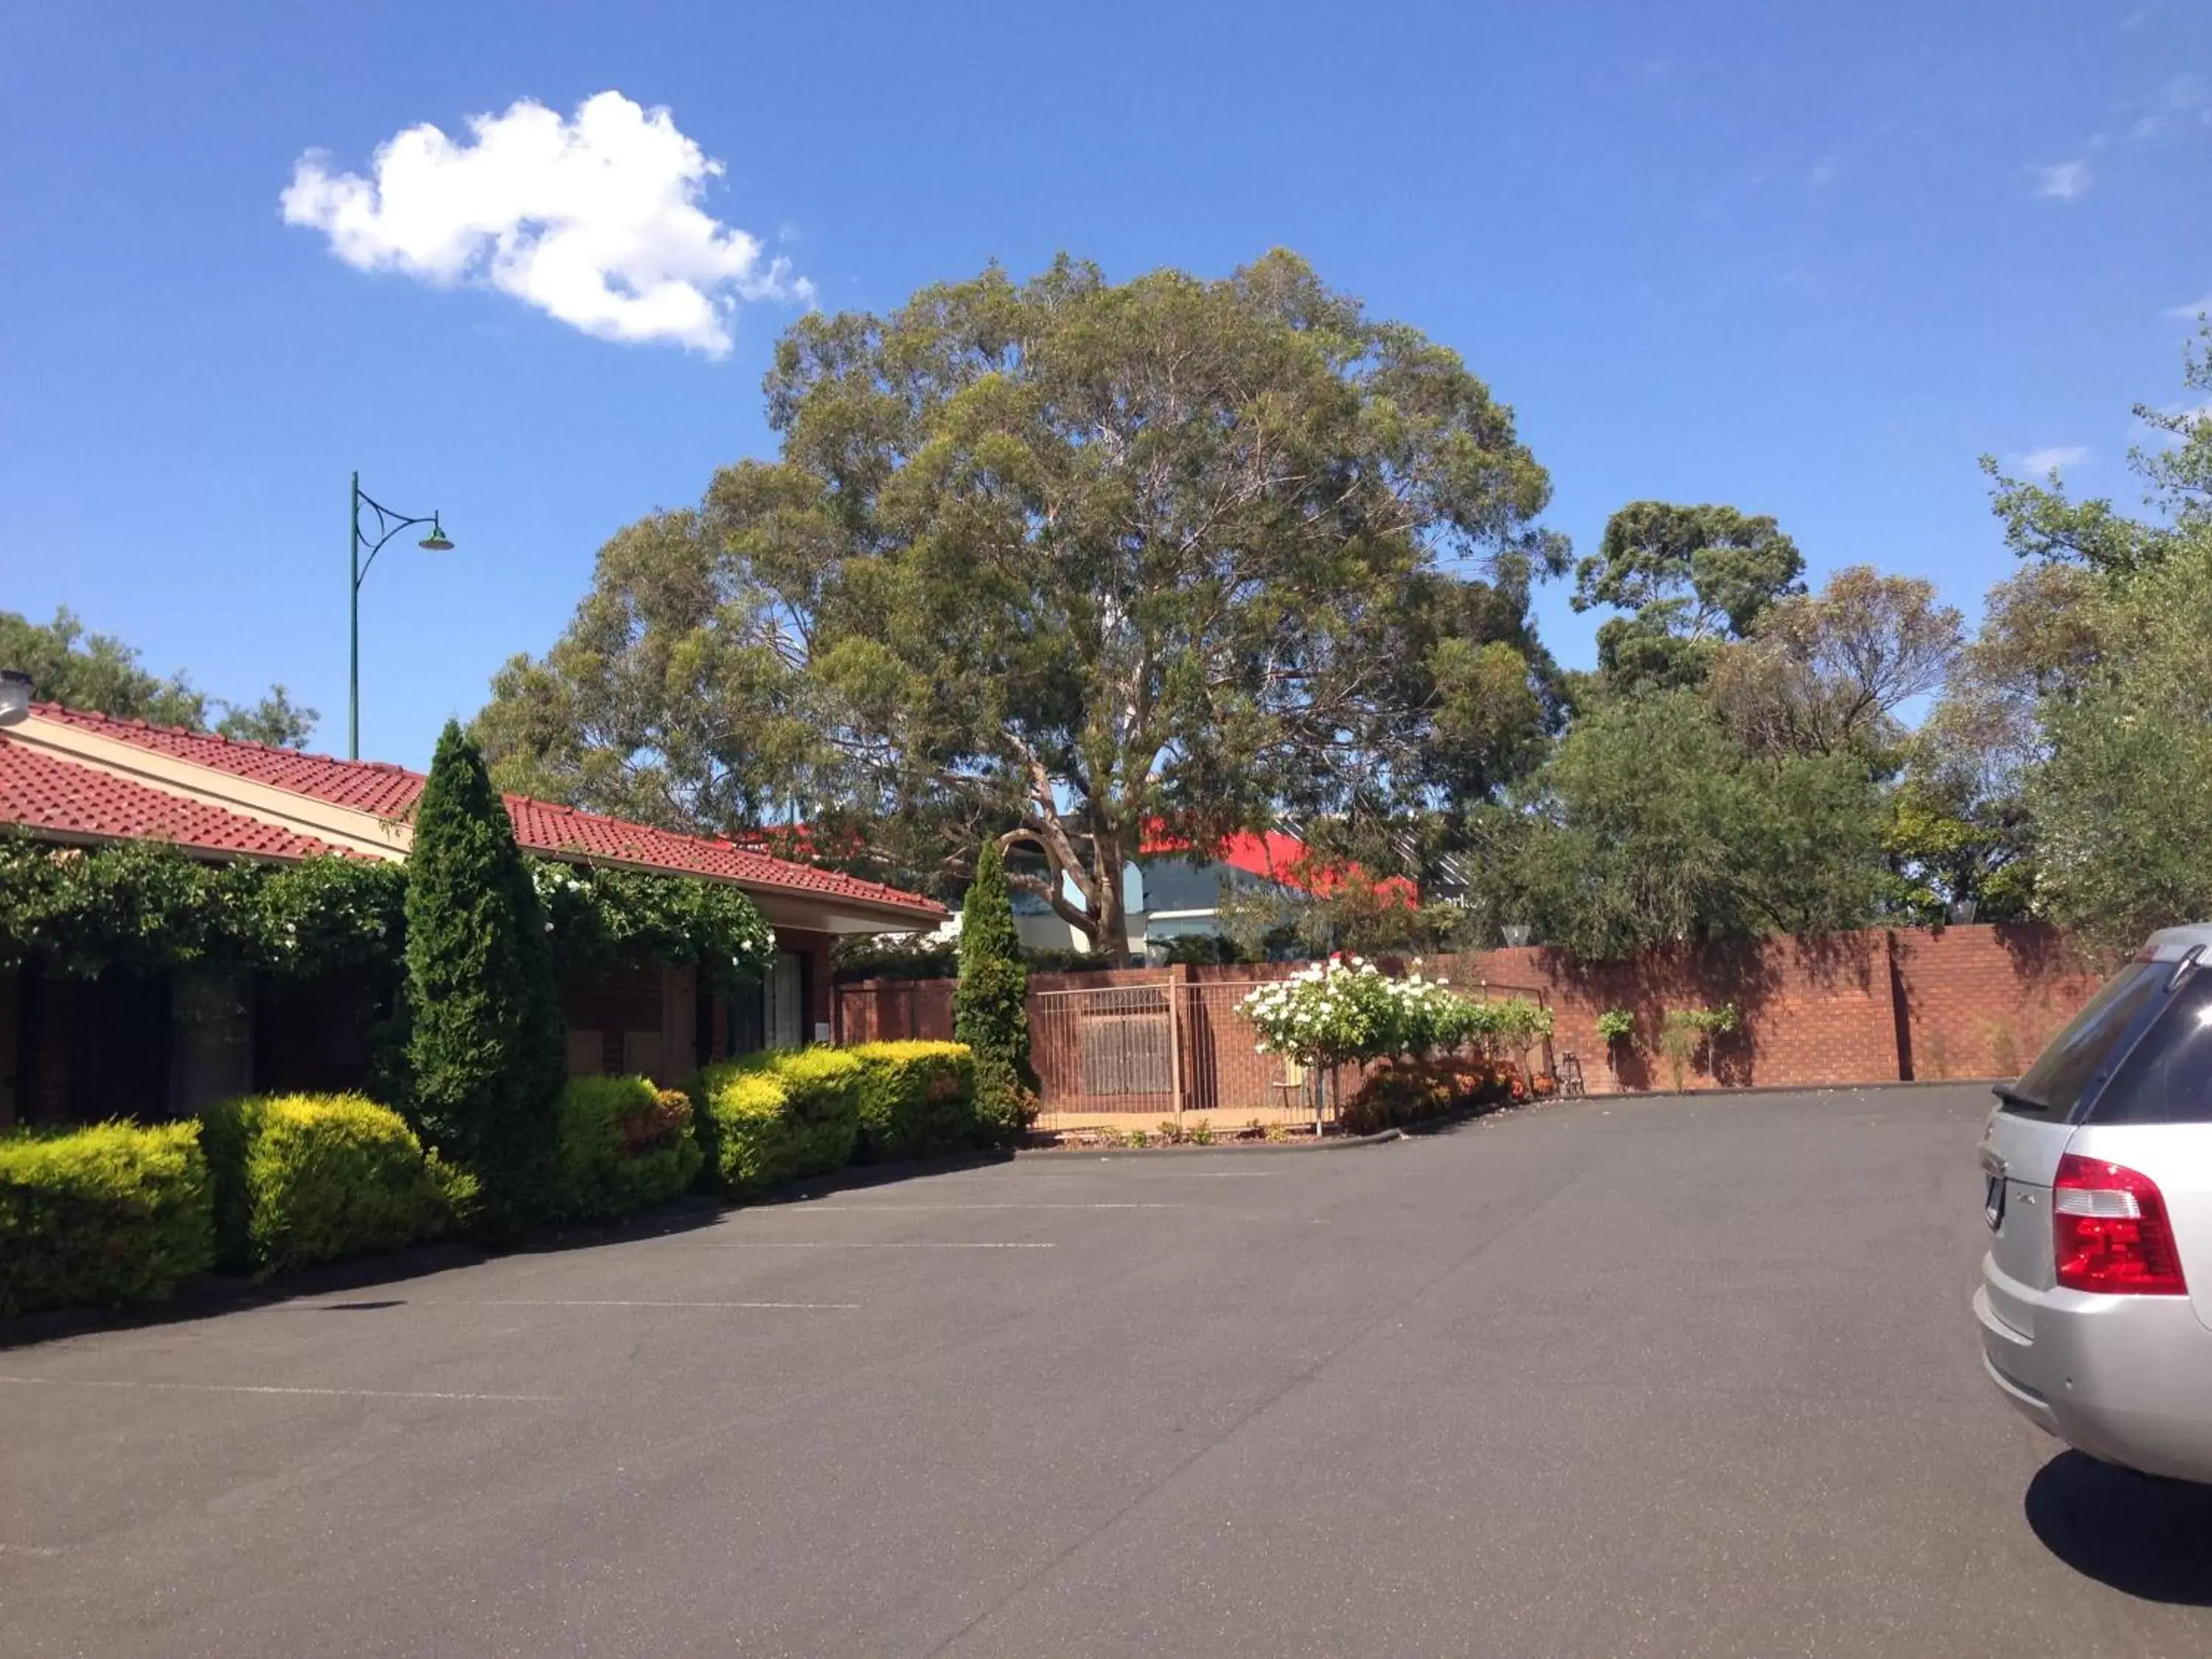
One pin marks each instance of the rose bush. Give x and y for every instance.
(1345, 1010)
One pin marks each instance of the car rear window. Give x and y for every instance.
(2166, 1076)
(2092, 1042)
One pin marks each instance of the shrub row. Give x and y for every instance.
(621, 1145)
(297, 1179)
(790, 1114)
(122, 1213)
(112, 1214)
(917, 1099)
(779, 1116)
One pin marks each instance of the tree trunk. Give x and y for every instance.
(1110, 931)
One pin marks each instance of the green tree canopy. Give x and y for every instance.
(1083, 558)
(1689, 578)
(1652, 824)
(2126, 774)
(1826, 673)
(100, 672)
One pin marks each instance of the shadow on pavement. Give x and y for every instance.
(214, 1294)
(2144, 1537)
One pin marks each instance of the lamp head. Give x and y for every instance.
(435, 541)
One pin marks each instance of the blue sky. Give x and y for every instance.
(1809, 261)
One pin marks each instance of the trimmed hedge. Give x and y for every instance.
(916, 1099)
(305, 1178)
(620, 1144)
(778, 1116)
(113, 1213)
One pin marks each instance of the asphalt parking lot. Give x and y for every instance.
(1658, 1376)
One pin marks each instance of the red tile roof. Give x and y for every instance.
(375, 787)
(42, 791)
(1283, 858)
(553, 828)
(389, 792)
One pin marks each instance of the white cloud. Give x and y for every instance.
(1825, 171)
(2064, 181)
(2194, 309)
(594, 220)
(2053, 458)
(2177, 97)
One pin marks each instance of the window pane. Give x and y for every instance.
(2166, 1077)
(2091, 1043)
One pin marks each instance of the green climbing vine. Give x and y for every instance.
(599, 916)
(144, 905)
(147, 906)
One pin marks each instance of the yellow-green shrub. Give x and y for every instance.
(306, 1178)
(916, 1099)
(620, 1144)
(115, 1212)
(777, 1116)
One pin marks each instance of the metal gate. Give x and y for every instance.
(1159, 1050)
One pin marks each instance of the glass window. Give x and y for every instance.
(748, 1027)
(2166, 1077)
(781, 1002)
(2093, 1042)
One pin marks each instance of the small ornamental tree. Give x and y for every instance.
(485, 1045)
(991, 1008)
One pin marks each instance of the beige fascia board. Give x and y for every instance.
(345, 827)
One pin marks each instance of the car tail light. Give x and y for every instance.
(2110, 1233)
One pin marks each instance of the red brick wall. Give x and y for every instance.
(1981, 1001)
(1875, 1006)
(1814, 1010)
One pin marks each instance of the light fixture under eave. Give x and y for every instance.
(435, 541)
(14, 697)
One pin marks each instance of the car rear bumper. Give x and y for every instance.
(2124, 1379)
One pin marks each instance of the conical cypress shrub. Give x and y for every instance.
(991, 1006)
(486, 1047)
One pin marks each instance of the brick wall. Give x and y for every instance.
(1981, 1001)
(1876, 1006)
(1814, 1010)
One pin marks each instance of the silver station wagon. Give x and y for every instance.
(2096, 1304)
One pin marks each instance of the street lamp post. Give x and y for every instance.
(388, 525)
